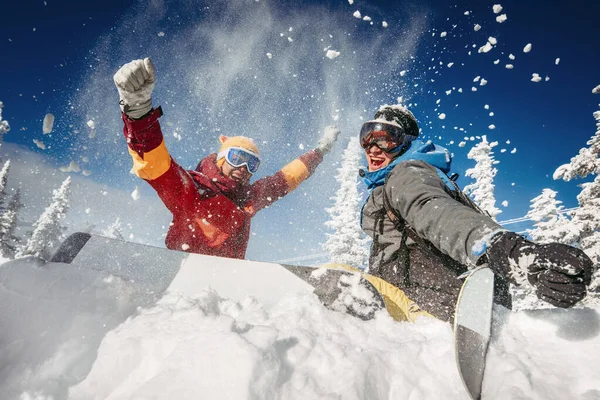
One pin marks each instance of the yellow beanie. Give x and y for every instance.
(236, 141)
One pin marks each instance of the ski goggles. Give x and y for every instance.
(238, 157)
(387, 137)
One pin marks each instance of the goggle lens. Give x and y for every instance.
(385, 136)
(239, 157)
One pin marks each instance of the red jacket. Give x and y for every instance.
(211, 212)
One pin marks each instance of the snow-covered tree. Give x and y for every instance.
(3, 179)
(551, 224)
(347, 244)
(482, 190)
(587, 216)
(48, 229)
(8, 224)
(115, 230)
(4, 126)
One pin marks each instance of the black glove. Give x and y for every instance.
(559, 273)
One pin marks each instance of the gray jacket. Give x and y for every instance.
(426, 271)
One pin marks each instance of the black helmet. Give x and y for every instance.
(401, 116)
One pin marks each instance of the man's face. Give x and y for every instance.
(239, 174)
(377, 158)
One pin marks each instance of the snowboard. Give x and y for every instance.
(472, 328)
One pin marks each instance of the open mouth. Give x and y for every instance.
(377, 162)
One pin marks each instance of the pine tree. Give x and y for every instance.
(48, 229)
(3, 179)
(551, 225)
(587, 216)
(8, 225)
(4, 126)
(348, 244)
(115, 230)
(482, 190)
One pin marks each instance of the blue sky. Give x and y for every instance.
(214, 76)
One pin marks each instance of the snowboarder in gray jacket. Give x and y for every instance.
(424, 236)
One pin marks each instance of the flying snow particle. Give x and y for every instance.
(476, 27)
(442, 116)
(402, 73)
(505, 203)
(450, 64)
(443, 34)
(135, 194)
(473, 89)
(536, 77)
(596, 90)
(513, 151)
(462, 144)
(72, 167)
(290, 39)
(86, 172)
(511, 56)
(331, 54)
(484, 49)
(557, 61)
(48, 123)
(477, 78)
(497, 8)
(269, 56)
(384, 24)
(448, 92)
(496, 62)
(350, 2)
(527, 48)
(467, 12)
(39, 144)
(91, 124)
(493, 41)
(357, 14)
(460, 90)
(185, 246)
(491, 114)
(508, 141)
(501, 18)
(509, 66)
(547, 78)
(366, 18)
(492, 127)
(487, 106)
(161, 34)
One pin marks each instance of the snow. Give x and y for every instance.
(497, 8)
(331, 54)
(476, 27)
(48, 123)
(536, 77)
(442, 116)
(357, 14)
(557, 61)
(596, 90)
(135, 194)
(39, 144)
(443, 34)
(509, 66)
(527, 48)
(208, 346)
(501, 18)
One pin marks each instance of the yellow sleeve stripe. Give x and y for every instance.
(295, 173)
(155, 162)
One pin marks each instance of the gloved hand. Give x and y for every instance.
(559, 273)
(135, 82)
(328, 139)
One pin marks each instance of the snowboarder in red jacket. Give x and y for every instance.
(213, 204)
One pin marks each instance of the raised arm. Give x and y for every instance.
(151, 160)
(271, 188)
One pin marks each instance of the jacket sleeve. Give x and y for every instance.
(271, 188)
(153, 163)
(417, 192)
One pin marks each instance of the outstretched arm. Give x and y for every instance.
(271, 188)
(151, 160)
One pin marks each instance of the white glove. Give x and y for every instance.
(135, 81)
(328, 139)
